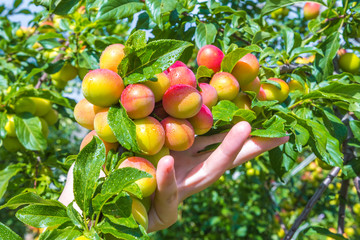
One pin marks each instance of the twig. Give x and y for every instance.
(334, 172)
(237, 37)
(342, 205)
(289, 68)
(38, 161)
(357, 185)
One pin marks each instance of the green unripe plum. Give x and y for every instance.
(208, 94)
(272, 92)
(182, 75)
(51, 117)
(10, 126)
(179, 134)
(84, 113)
(146, 185)
(139, 212)
(43, 106)
(203, 121)
(311, 10)
(112, 56)
(82, 72)
(349, 62)
(12, 144)
(211, 57)
(154, 159)
(59, 84)
(102, 87)
(182, 101)
(25, 104)
(102, 127)
(44, 127)
(150, 135)
(138, 101)
(246, 69)
(280, 13)
(108, 146)
(159, 87)
(226, 85)
(66, 73)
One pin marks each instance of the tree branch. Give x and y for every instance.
(357, 185)
(342, 196)
(334, 172)
(237, 37)
(289, 68)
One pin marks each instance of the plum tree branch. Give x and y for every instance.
(311, 203)
(357, 185)
(237, 37)
(343, 193)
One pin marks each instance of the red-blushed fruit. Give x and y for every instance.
(272, 92)
(84, 113)
(203, 121)
(182, 75)
(138, 101)
(179, 134)
(208, 94)
(154, 159)
(261, 96)
(102, 87)
(253, 86)
(311, 10)
(150, 135)
(139, 213)
(89, 137)
(182, 101)
(246, 69)
(175, 65)
(160, 86)
(226, 85)
(211, 57)
(146, 185)
(112, 56)
(102, 127)
(159, 112)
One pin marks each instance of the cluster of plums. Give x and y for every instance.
(168, 113)
(39, 107)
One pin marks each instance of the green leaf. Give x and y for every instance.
(351, 169)
(156, 8)
(66, 7)
(86, 172)
(60, 234)
(273, 128)
(88, 59)
(123, 128)
(324, 66)
(336, 91)
(225, 110)
(74, 216)
(355, 128)
(106, 226)
(301, 50)
(260, 36)
(334, 125)
(232, 58)
(204, 72)
(205, 34)
(155, 58)
(6, 174)
(118, 9)
(3, 121)
(42, 216)
(301, 137)
(6, 233)
(272, 5)
(283, 158)
(288, 37)
(28, 131)
(136, 40)
(315, 231)
(29, 198)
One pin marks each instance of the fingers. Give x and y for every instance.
(255, 146)
(207, 172)
(67, 195)
(163, 212)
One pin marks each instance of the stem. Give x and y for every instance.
(342, 205)
(38, 162)
(334, 172)
(357, 185)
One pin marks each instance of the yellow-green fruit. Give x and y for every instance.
(102, 127)
(59, 84)
(296, 86)
(350, 231)
(19, 33)
(356, 208)
(281, 233)
(154, 159)
(250, 172)
(159, 87)
(280, 13)
(349, 62)
(139, 213)
(10, 126)
(272, 92)
(44, 127)
(25, 104)
(12, 144)
(323, 164)
(66, 73)
(82, 238)
(51, 117)
(43, 106)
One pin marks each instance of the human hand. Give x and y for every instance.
(185, 173)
